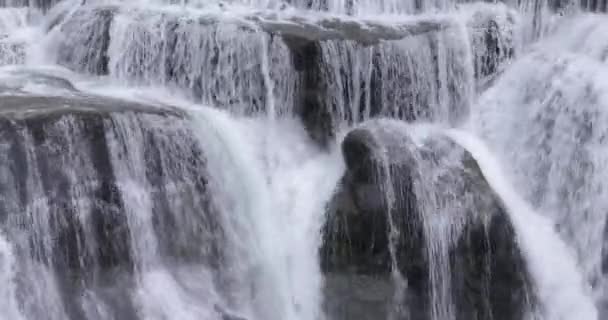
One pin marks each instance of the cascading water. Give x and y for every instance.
(10, 305)
(282, 199)
(561, 288)
(167, 159)
(558, 164)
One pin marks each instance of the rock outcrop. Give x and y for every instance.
(415, 203)
(331, 71)
(83, 175)
(595, 5)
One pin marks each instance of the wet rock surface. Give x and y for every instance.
(331, 71)
(68, 184)
(366, 227)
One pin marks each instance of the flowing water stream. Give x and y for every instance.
(177, 159)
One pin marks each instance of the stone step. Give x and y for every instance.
(328, 69)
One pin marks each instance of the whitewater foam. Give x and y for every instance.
(276, 189)
(559, 282)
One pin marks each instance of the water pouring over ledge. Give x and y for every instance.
(125, 202)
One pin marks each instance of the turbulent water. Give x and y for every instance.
(179, 159)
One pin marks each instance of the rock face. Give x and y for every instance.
(331, 71)
(416, 205)
(344, 83)
(595, 5)
(42, 4)
(424, 75)
(79, 177)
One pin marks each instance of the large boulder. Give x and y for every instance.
(418, 77)
(84, 178)
(414, 206)
(422, 74)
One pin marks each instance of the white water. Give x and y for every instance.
(15, 34)
(273, 182)
(560, 286)
(157, 295)
(276, 189)
(546, 117)
(441, 89)
(9, 307)
(247, 72)
(357, 7)
(443, 214)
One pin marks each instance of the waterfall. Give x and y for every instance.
(278, 188)
(558, 162)
(9, 306)
(561, 287)
(303, 160)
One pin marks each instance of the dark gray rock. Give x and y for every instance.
(67, 166)
(214, 60)
(423, 75)
(591, 5)
(482, 264)
(328, 70)
(358, 296)
(217, 60)
(345, 82)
